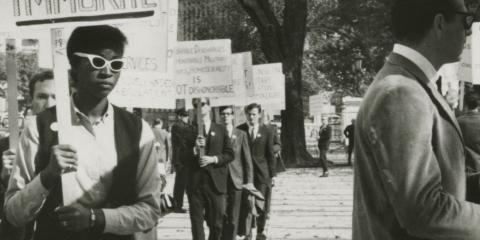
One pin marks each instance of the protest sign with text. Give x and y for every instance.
(203, 69)
(475, 50)
(269, 86)
(17, 14)
(241, 77)
(465, 67)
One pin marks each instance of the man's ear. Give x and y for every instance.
(438, 24)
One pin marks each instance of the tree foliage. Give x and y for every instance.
(348, 31)
(27, 65)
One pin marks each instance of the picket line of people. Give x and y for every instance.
(115, 157)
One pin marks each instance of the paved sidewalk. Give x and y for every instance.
(304, 206)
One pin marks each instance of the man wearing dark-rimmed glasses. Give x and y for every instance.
(111, 152)
(410, 174)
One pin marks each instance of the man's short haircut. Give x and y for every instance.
(251, 106)
(157, 121)
(92, 39)
(41, 76)
(226, 107)
(411, 19)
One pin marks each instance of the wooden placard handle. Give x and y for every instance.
(12, 93)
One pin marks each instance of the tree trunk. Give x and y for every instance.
(284, 43)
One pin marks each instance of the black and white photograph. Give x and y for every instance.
(239, 119)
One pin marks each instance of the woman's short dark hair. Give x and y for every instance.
(411, 19)
(91, 39)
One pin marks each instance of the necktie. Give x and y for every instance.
(252, 132)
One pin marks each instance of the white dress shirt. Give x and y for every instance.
(255, 131)
(97, 157)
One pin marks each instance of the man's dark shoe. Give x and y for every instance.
(180, 210)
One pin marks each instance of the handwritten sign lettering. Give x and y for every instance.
(60, 13)
(269, 86)
(203, 69)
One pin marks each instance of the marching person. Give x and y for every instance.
(207, 183)
(410, 180)
(240, 173)
(183, 142)
(349, 132)
(111, 152)
(42, 92)
(324, 137)
(264, 162)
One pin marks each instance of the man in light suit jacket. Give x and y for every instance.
(409, 154)
(264, 162)
(207, 183)
(240, 172)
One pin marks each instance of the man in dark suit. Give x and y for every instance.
(207, 183)
(183, 141)
(240, 172)
(264, 162)
(410, 180)
(324, 137)
(349, 132)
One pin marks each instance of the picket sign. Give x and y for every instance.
(241, 81)
(203, 69)
(12, 91)
(268, 86)
(57, 16)
(64, 117)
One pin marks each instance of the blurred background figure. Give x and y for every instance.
(470, 126)
(349, 133)
(183, 141)
(162, 136)
(163, 147)
(324, 137)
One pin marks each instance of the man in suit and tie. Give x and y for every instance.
(240, 172)
(410, 180)
(264, 162)
(324, 137)
(207, 183)
(183, 141)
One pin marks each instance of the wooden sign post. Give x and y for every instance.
(13, 128)
(197, 102)
(64, 117)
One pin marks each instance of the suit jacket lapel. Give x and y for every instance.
(437, 99)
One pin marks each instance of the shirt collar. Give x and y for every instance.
(77, 115)
(418, 59)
